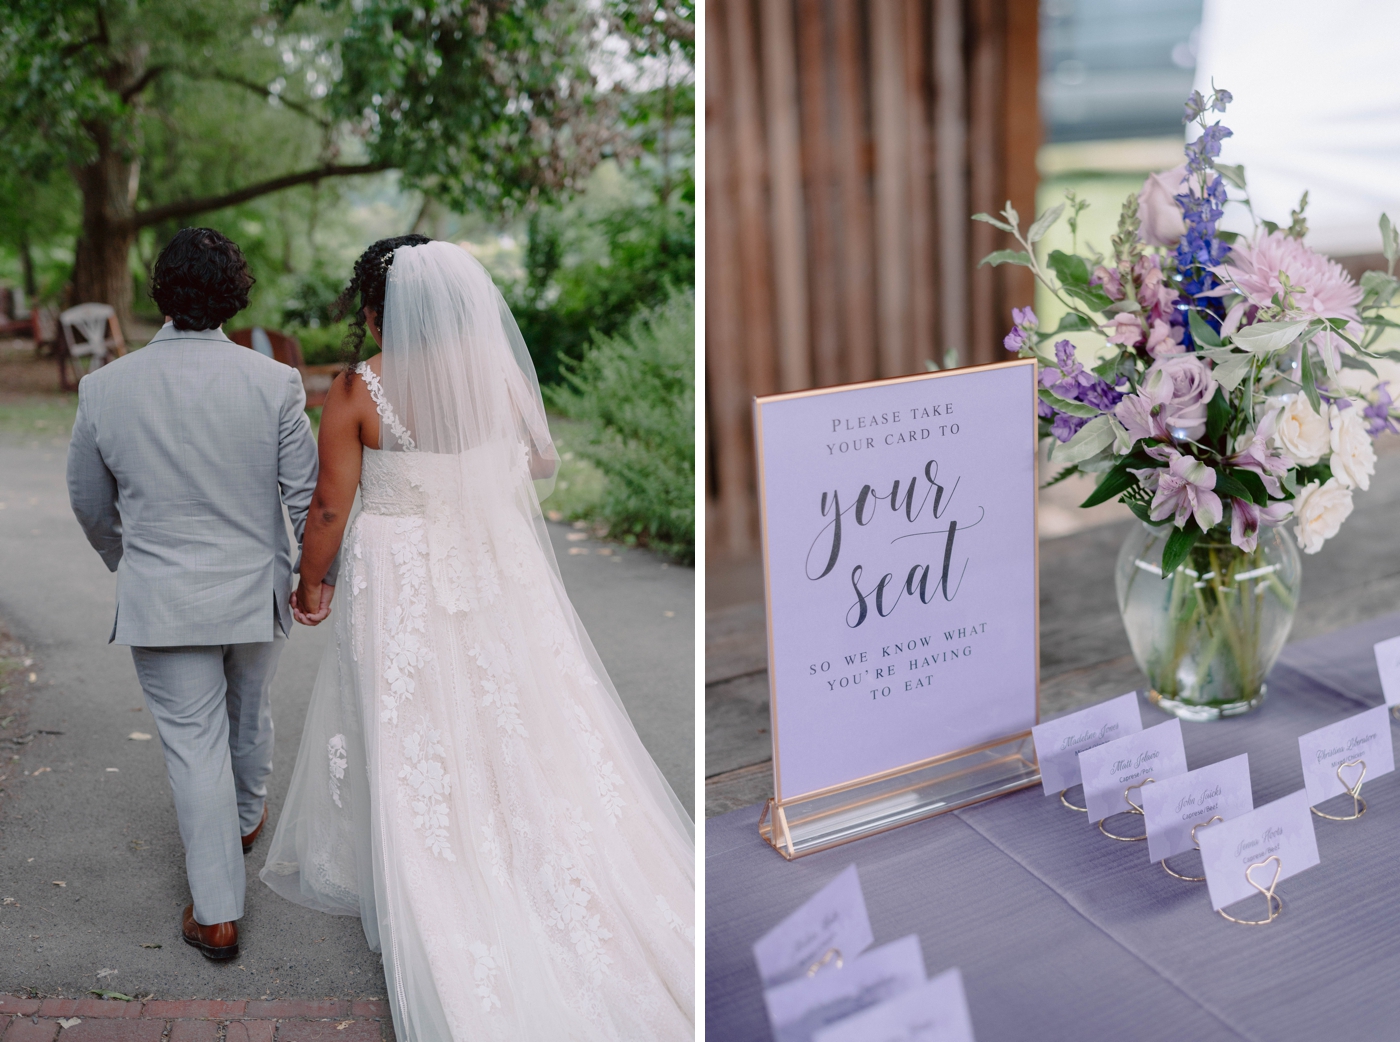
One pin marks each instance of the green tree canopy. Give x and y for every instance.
(487, 103)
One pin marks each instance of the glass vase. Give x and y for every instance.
(1207, 634)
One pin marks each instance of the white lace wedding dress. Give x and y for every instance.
(468, 785)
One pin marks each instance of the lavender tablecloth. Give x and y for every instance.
(1063, 934)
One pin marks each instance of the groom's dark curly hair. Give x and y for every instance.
(200, 280)
(366, 290)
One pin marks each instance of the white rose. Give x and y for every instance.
(1320, 511)
(1302, 433)
(1353, 458)
(1162, 223)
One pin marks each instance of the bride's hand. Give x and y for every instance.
(311, 602)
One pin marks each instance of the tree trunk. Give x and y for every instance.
(26, 264)
(102, 264)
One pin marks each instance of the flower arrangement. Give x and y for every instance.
(1219, 406)
(1216, 410)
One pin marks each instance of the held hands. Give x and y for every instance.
(311, 602)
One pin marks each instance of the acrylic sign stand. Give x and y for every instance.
(817, 820)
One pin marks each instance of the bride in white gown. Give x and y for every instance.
(468, 782)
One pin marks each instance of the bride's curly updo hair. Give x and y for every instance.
(366, 290)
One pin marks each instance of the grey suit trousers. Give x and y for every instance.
(214, 717)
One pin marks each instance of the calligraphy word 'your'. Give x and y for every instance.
(914, 503)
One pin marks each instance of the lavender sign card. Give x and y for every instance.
(801, 1008)
(1339, 755)
(933, 1012)
(899, 536)
(1059, 742)
(833, 918)
(1109, 770)
(1236, 853)
(1174, 806)
(1388, 664)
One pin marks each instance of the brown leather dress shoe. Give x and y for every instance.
(219, 941)
(252, 837)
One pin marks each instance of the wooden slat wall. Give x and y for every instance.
(847, 144)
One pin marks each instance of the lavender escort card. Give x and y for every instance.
(1230, 849)
(801, 1008)
(1339, 755)
(899, 539)
(1059, 742)
(1175, 805)
(834, 918)
(1128, 762)
(1388, 663)
(932, 1012)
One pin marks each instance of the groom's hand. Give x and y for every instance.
(311, 602)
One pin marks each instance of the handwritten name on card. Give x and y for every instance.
(1388, 663)
(933, 1012)
(1282, 829)
(1059, 742)
(835, 917)
(1175, 805)
(799, 1009)
(1347, 744)
(1108, 770)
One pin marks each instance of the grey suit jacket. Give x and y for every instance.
(182, 455)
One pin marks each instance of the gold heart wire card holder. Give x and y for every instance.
(1354, 791)
(1072, 806)
(1274, 902)
(1133, 808)
(1196, 845)
(818, 807)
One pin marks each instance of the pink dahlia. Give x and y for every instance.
(1320, 287)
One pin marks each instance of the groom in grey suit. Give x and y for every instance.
(182, 457)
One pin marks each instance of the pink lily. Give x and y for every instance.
(1246, 518)
(1184, 489)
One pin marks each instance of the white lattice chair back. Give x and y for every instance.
(93, 321)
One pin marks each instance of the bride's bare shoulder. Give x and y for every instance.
(350, 407)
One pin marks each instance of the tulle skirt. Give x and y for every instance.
(468, 785)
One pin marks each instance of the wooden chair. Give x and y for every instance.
(16, 320)
(88, 331)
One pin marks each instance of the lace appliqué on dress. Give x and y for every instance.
(671, 919)
(386, 413)
(605, 776)
(497, 686)
(428, 787)
(568, 888)
(487, 964)
(492, 848)
(335, 752)
(405, 651)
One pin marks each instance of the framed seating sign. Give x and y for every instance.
(900, 561)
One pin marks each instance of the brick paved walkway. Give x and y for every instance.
(195, 1020)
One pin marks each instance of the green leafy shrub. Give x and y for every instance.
(323, 345)
(590, 276)
(636, 393)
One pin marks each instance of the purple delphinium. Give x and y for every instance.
(1200, 248)
(1378, 414)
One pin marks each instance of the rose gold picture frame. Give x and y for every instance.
(803, 823)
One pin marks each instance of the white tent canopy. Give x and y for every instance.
(1317, 108)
